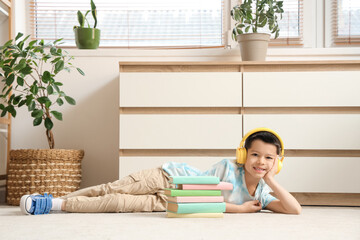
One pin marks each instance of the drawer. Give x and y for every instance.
(331, 175)
(166, 131)
(130, 165)
(177, 89)
(311, 131)
(301, 89)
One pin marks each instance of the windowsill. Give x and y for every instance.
(275, 54)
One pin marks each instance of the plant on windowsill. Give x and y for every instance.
(250, 16)
(30, 77)
(87, 37)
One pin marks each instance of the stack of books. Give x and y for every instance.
(196, 197)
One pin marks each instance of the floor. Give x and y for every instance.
(313, 223)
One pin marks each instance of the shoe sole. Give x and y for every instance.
(23, 204)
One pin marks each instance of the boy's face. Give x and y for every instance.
(260, 158)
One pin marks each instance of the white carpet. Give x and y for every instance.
(313, 223)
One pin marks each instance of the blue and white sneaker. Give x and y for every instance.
(36, 204)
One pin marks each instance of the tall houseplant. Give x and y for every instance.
(30, 75)
(250, 17)
(87, 37)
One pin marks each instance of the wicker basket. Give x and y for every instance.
(54, 171)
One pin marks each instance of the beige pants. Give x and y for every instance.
(138, 192)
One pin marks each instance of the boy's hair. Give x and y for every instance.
(266, 137)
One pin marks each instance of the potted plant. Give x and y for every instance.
(250, 17)
(29, 75)
(87, 37)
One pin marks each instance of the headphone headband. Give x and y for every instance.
(263, 130)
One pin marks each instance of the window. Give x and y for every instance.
(346, 19)
(290, 24)
(136, 23)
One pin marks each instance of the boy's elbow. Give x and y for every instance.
(297, 211)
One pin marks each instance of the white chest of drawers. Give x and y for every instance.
(198, 112)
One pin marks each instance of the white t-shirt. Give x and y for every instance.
(227, 171)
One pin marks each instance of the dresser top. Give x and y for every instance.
(243, 63)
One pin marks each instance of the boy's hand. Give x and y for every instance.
(271, 173)
(251, 206)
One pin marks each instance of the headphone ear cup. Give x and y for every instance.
(280, 165)
(241, 155)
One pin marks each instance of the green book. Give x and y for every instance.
(194, 180)
(196, 207)
(177, 192)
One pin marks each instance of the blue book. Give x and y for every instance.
(196, 207)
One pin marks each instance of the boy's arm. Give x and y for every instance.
(286, 203)
(247, 207)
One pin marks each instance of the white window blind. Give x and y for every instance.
(291, 24)
(346, 22)
(135, 23)
(291, 32)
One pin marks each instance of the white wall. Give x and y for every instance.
(4, 36)
(92, 124)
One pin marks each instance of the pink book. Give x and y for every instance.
(195, 199)
(220, 186)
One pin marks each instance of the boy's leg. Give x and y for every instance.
(145, 182)
(116, 203)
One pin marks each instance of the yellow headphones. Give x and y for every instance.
(241, 150)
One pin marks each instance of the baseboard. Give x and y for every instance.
(328, 199)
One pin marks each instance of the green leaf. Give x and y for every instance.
(48, 124)
(20, 81)
(80, 17)
(276, 34)
(20, 65)
(31, 106)
(29, 98)
(7, 69)
(57, 40)
(26, 70)
(8, 91)
(58, 83)
(56, 88)
(43, 100)
(57, 115)
(34, 89)
(10, 79)
(59, 66)
(31, 44)
(11, 110)
(37, 121)
(22, 102)
(56, 59)
(53, 51)
(3, 113)
(70, 100)
(48, 104)
(37, 113)
(17, 100)
(59, 101)
(50, 90)
(8, 43)
(19, 35)
(93, 12)
(46, 77)
(80, 71)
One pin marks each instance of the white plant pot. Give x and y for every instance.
(253, 46)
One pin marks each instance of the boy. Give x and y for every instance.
(142, 191)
